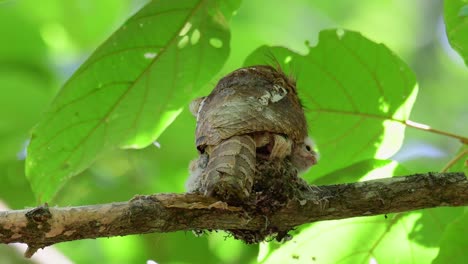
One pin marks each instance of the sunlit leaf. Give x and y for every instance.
(376, 239)
(456, 22)
(454, 242)
(432, 224)
(357, 95)
(364, 170)
(131, 87)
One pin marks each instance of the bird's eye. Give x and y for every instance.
(308, 148)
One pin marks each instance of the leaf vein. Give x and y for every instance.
(122, 97)
(338, 82)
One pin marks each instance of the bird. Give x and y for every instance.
(303, 156)
(196, 168)
(253, 112)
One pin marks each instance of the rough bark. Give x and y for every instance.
(44, 226)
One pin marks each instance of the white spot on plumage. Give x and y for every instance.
(275, 95)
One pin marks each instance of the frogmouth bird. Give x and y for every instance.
(252, 113)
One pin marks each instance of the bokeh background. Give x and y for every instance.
(42, 43)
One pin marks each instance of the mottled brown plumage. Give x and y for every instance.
(252, 113)
(252, 99)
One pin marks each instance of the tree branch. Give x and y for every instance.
(44, 226)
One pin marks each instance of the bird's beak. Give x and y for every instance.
(314, 157)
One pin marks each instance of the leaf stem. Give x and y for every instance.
(454, 160)
(420, 126)
(407, 122)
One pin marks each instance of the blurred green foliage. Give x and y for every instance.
(453, 244)
(43, 44)
(456, 19)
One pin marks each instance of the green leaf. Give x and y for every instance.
(454, 242)
(375, 239)
(131, 88)
(357, 96)
(456, 23)
(432, 224)
(364, 170)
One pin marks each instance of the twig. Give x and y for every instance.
(406, 122)
(454, 160)
(424, 127)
